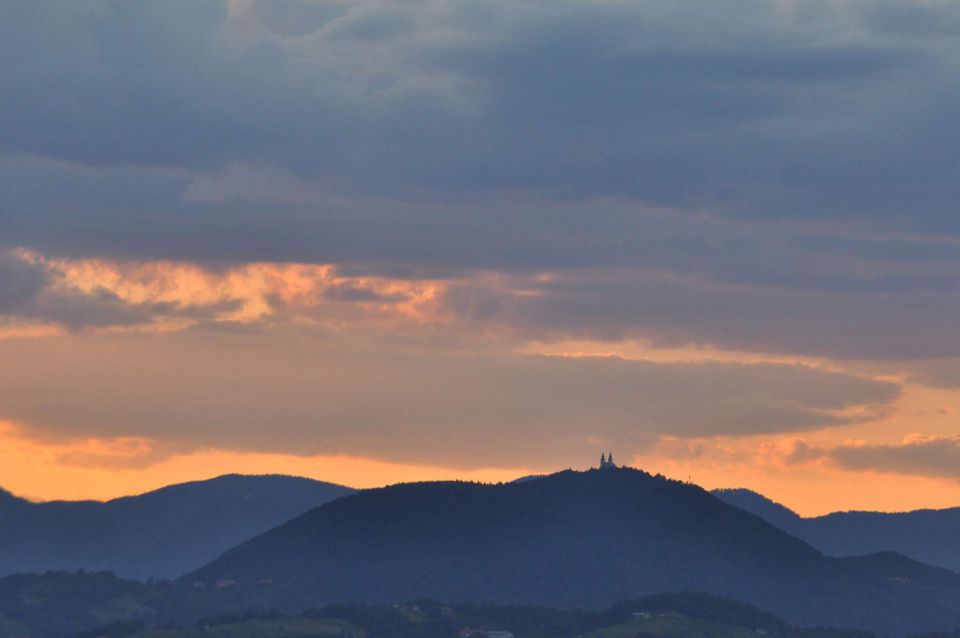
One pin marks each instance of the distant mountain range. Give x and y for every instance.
(573, 539)
(931, 536)
(161, 534)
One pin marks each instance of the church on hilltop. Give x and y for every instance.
(606, 462)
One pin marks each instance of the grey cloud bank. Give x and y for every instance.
(773, 109)
(671, 310)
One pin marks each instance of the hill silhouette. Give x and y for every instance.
(575, 539)
(929, 536)
(159, 534)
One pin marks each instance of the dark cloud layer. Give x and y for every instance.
(756, 104)
(776, 176)
(20, 283)
(303, 392)
(798, 109)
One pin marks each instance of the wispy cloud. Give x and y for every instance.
(933, 456)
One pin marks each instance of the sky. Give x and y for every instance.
(372, 241)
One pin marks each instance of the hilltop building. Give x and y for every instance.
(606, 462)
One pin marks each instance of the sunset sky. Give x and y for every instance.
(371, 241)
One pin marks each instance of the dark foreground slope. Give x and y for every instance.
(575, 539)
(930, 536)
(160, 534)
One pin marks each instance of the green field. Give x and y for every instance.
(672, 625)
(284, 628)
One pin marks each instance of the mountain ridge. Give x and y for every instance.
(158, 534)
(926, 535)
(574, 539)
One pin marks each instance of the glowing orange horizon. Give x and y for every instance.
(43, 471)
(307, 293)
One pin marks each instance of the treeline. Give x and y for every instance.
(92, 605)
(433, 619)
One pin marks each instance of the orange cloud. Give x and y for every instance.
(27, 330)
(260, 290)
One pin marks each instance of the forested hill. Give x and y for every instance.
(159, 534)
(574, 539)
(926, 535)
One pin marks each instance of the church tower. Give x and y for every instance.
(606, 461)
